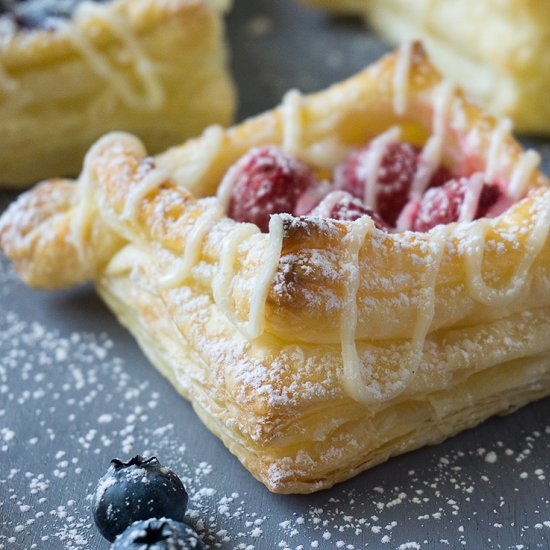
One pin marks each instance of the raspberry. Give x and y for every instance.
(395, 177)
(340, 205)
(266, 181)
(441, 205)
(490, 194)
(441, 176)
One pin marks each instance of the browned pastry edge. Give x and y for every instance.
(285, 402)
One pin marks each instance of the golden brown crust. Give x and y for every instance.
(97, 57)
(45, 232)
(27, 49)
(261, 331)
(280, 407)
(497, 51)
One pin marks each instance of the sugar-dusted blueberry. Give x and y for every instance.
(137, 490)
(158, 534)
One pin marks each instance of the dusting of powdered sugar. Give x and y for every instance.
(70, 400)
(7, 278)
(259, 26)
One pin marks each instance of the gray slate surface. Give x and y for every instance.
(75, 391)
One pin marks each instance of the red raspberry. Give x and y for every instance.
(395, 177)
(490, 194)
(441, 176)
(266, 181)
(340, 205)
(441, 205)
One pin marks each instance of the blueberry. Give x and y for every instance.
(38, 19)
(158, 534)
(39, 14)
(137, 490)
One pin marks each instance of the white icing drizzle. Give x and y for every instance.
(353, 377)
(254, 327)
(324, 153)
(152, 94)
(501, 297)
(151, 181)
(401, 78)
(84, 197)
(470, 203)
(193, 245)
(426, 300)
(431, 153)
(502, 129)
(225, 188)
(256, 320)
(221, 285)
(427, 297)
(194, 169)
(523, 170)
(373, 159)
(292, 124)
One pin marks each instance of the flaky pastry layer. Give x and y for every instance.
(156, 68)
(280, 407)
(323, 347)
(497, 51)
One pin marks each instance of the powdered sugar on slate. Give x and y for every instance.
(7, 278)
(75, 399)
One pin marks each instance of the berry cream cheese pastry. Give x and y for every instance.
(497, 50)
(71, 70)
(350, 276)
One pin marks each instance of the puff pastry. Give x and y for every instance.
(321, 347)
(499, 51)
(152, 67)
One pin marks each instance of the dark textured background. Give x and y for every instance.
(75, 391)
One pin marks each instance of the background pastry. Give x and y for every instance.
(341, 337)
(496, 50)
(72, 70)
